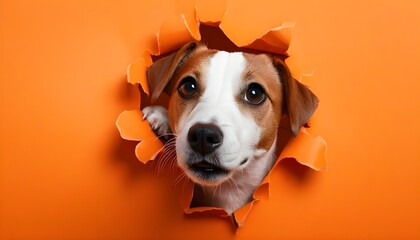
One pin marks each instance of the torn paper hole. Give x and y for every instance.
(218, 32)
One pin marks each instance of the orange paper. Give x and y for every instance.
(66, 173)
(176, 32)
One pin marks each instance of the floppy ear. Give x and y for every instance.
(160, 72)
(299, 102)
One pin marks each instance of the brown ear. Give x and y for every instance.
(299, 102)
(161, 71)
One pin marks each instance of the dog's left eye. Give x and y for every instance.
(255, 94)
(188, 87)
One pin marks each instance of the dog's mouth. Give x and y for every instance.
(207, 171)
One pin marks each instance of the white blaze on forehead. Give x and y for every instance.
(223, 78)
(222, 82)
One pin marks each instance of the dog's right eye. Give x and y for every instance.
(188, 87)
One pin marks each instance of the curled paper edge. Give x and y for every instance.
(212, 18)
(174, 33)
(139, 130)
(314, 161)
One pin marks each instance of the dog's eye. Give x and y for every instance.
(255, 94)
(188, 87)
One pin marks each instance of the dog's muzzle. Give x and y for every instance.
(204, 139)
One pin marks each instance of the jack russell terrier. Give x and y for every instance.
(224, 111)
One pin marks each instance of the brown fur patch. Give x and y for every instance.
(260, 70)
(194, 66)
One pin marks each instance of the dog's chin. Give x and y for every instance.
(207, 174)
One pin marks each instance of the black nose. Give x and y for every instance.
(205, 138)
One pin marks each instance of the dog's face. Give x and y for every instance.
(225, 107)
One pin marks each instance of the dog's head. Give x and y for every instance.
(225, 108)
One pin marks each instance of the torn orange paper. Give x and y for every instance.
(174, 33)
(132, 127)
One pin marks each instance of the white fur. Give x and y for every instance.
(158, 119)
(238, 190)
(218, 105)
(241, 134)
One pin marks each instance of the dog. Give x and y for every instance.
(224, 111)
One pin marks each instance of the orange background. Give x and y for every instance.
(65, 173)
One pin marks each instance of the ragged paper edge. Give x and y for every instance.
(275, 40)
(312, 154)
(212, 18)
(133, 127)
(174, 33)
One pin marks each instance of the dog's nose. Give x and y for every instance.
(205, 138)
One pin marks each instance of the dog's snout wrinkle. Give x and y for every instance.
(205, 138)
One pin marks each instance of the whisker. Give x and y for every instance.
(185, 182)
(214, 191)
(203, 190)
(180, 177)
(236, 185)
(166, 156)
